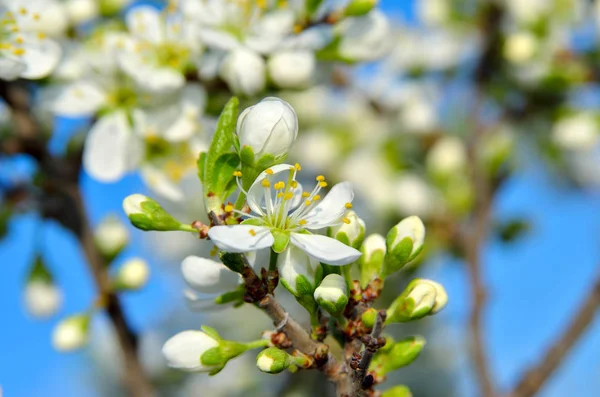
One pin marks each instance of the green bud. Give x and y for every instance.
(404, 242)
(332, 294)
(357, 8)
(369, 317)
(399, 355)
(351, 233)
(146, 214)
(420, 298)
(273, 360)
(371, 262)
(397, 391)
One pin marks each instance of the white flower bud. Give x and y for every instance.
(448, 156)
(365, 38)
(133, 274)
(273, 360)
(420, 298)
(371, 262)
(351, 231)
(332, 294)
(81, 11)
(520, 47)
(111, 236)
(133, 204)
(183, 351)
(404, 242)
(291, 69)
(146, 214)
(269, 127)
(577, 132)
(71, 333)
(207, 276)
(299, 273)
(244, 71)
(441, 297)
(42, 298)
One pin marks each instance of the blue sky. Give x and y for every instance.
(535, 284)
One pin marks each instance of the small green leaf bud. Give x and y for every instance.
(371, 262)
(399, 355)
(146, 214)
(369, 317)
(273, 360)
(404, 242)
(350, 232)
(332, 294)
(420, 298)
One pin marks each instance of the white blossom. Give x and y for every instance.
(42, 299)
(183, 351)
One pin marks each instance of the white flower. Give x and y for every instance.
(577, 132)
(48, 17)
(183, 351)
(81, 11)
(269, 127)
(133, 274)
(365, 38)
(42, 299)
(71, 333)
(332, 293)
(24, 53)
(448, 156)
(244, 71)
(520, 47)
(283, 210)
(292, 69)
(111, 235)
(207, 276)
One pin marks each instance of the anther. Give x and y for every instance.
(346, 221)
(302, 222)
(294, 184)
(316, 197)
(252, 232)
(307, 203)
(237, 173)
(298, 167)
(269, 171)
(288, 196)
(228, 208)
(323, 184)
(265, 183)
(305, 194)
(348, 205)
(320, 178)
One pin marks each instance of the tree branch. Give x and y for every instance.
(533, 380)
(371, 347)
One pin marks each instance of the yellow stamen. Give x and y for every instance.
(36, 17)
(279, 186)
(18, 51)
(265, 183)
(316, 197)
(294, 184)
(279, 195)
(346, 221)
(23, 11)
(228, 208)
(214, 251)
(252, 232)
(269, 171)
(237, 173)
(320, 178)
(302, 222)
(323, 184)
(298, 167)
(19, 40)
(41, 36)
(305, 194)
(348, 205)
(288, 196)
(307, 203)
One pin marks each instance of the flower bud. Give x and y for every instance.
(332, 294)
(267, 128)
(371, 262)
(420, 298)
(146, 214)
(273, 360)
(298, 272)
(398, 355)
(357, 8)
(184, 351)
(351, 231)
(397, 391)
(244, 71)
(291, 69)
(207, 276)
(42, 298)
(111, 236)
(132, 275)
(369, 317)
(404, 242)
(71, 333)
(447, 157)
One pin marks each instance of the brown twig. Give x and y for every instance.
(533, 380)
(372, 345)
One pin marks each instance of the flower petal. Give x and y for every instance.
(41, 57)
(256, 191)
(10, 67)
(241, 238)
(160, 183)
(145, 23)
(207, 276)
(80, 99)
(325, 249)
(332, 208)
(107, 148)
(200, 302)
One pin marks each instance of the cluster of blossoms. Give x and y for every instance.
(272, 231)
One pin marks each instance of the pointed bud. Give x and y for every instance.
(397, 355)
(42, 297)
(207, 276)
(404, 242)
(146, 214)
(332, 294)
(357, 8)
(371, 262)
(268, 128)
(273, 360)
(420, 298)
(397, 391)
(350, 232)
(298, 272)
(132, 275)
(111, 236)
(183, 351)
(71, 333)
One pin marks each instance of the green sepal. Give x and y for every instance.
(213, 356)
(281, 240)
(303, 286)
(401, 254)
(232, 260)
(247, 155)
(267, 160)
(398, 355)
(201, 165)
(223, 181)
(372, 268)
(210, 331)
(343, 238)
(39, 271)
(334, 308)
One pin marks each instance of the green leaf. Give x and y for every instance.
(222, 143)
(201, 164)
(222, 177)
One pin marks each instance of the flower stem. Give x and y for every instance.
(257, 344)
(273, 261)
